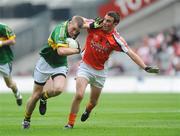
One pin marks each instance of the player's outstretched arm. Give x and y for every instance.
(7, 42)
(140, 62)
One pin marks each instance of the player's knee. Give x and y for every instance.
(10, 85)
(36, 96)
(79, 96)
(58, 90)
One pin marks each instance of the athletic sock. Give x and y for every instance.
(45, 95)
(27, 117)
(72, 118)
(89, 107)
(17, 94)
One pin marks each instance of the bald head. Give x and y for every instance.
(75, 25)
(79, 20)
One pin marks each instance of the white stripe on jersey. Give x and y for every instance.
(120, 41)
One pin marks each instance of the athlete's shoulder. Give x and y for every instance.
(60, 30)
(118, 38)
(3, 25)
(61, 25)
(121, 42)
(116, 34)
(7, 31)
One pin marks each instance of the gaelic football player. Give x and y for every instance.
(100, 43)
(52, 64)
(7, 39)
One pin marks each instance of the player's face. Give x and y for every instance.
(73, 29)
(108, 23)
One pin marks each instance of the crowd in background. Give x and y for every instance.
(161, 49)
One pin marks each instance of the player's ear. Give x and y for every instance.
(115, 24)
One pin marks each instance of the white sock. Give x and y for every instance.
(17, 94)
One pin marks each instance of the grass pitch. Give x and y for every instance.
(115, 115)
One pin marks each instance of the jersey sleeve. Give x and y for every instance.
(58, 37)
(8, 33)
(122, 44)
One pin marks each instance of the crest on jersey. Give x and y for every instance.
(95, 37)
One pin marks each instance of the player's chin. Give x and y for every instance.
(105, 28)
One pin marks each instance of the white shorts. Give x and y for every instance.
(5, 69)
(95, 77)
(43, 71)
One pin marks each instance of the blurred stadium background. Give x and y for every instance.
(151, 27)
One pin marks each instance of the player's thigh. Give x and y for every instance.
(8, 80)
(59, 82)
(37, 91)
(82, 78)
(95, 93)
(48, 85)
(81, 84)
(59, 77)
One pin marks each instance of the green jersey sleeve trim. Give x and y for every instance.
(58, 36)
(6, 32)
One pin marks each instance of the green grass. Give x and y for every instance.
(115, 115)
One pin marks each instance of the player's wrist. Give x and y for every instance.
(91, 25)
(147, 68)
(96, 24)
(79, 50)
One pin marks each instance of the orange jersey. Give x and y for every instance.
(99, 46)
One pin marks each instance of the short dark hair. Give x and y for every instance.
(115, 15)
(79, 21)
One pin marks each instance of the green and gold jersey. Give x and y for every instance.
(56, 39)
(6, 54)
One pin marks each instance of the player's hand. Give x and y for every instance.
(150, 69)
(97, 23)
